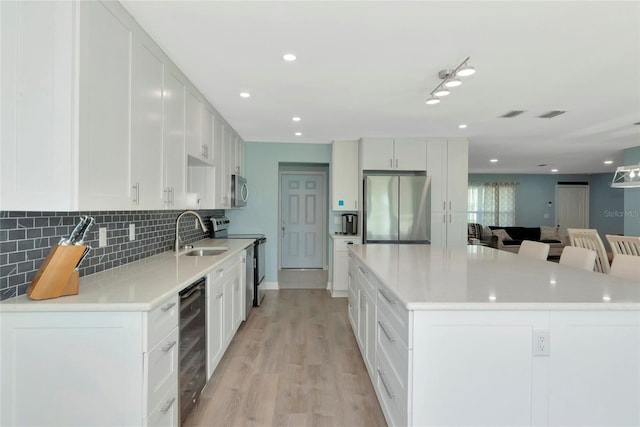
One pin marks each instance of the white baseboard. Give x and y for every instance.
(340, 294)
(329, 284)
(269, 286)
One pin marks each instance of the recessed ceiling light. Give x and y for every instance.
(245, 95)
(432, 101)
(462, 126)
(289, 57)
(298, 133)
(494, 160)
(608, 162)
(554, 170)
(296, 119)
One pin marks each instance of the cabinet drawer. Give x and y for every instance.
(367, 281)
(395, 313)
(161, 369)
(391, 347)
(161, 320)
(391, 394)
(343, 244)
(165, 414)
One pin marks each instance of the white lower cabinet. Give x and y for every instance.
(90, 368)
(340, 264)
(225, 309)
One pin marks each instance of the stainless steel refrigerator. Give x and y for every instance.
(397, 208)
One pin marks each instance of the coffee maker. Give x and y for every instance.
(349, 224)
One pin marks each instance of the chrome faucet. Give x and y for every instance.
(204, 227)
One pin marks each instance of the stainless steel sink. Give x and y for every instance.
(206, 252)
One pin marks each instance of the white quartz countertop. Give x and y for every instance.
(137, 286)
(425, 277)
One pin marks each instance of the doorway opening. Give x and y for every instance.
(572, 205)
(302, 222)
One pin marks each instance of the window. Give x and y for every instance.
(492, 203)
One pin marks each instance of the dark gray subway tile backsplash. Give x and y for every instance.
(27, 237)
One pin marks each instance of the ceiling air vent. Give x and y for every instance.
(637, 123)
(512, 113)
(551, 114)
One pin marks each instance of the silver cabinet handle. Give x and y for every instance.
(444, 218)
(136, 189)
(391, 163)
(166, 191)
(168, 307)
(449, 218)
(167, 406)
(173, 196)
(387, 334)
(449, 204)
(384, 295)
(169, 346)
(283, 231)
(363, 299)
(384, 384)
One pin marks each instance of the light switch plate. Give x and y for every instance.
(132, 231)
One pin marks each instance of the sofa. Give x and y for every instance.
(510, 238)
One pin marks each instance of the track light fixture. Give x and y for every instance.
(450, 80)
(626, 177)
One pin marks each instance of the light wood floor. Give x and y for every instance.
(294, 362)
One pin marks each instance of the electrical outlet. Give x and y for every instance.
(195, 223)
(541, 342)
(132, 231)
(102, 237)
(546, 216)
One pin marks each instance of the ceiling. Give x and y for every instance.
(365, 69)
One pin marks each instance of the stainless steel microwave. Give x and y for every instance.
(239, 191)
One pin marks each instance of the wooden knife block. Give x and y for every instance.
(57, 277)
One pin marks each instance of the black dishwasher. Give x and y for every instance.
(193, 358)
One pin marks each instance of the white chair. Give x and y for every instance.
(627, 245)
(535, 250)
(626, 267)
(588, 238)
(574, 256)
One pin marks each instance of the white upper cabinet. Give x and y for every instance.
(105, 90)
(344, 176)
(174, 141)
(115, 116)
(448, 168)
(222, 187)
(37, 105)
(146, 128)
(402, 154)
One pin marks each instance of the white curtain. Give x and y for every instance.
(493, 203)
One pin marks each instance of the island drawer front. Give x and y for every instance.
(161, 320)
(368, 281)
(391, 394)
(392, 348)
(165, 414)
(396, 314)
(161, 369)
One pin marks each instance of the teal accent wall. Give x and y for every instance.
(535, 191)
(262, 163)
(632, 197)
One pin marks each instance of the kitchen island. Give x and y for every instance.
(476, 336)
(110, 355)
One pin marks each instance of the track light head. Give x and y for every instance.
(453, 83)
(466, 71)
(442, 91)
(432, 101)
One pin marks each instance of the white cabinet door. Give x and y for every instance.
(229, 294)
(193, 125)
(37, 69)
(221, 147)
(215, 322)
(239, 154)
(238, 301)
(410, 154)
(457, 174)
(376, 154)
(344, 176)
(146, 129)
(438, 228)
(173, 141)
(207, 135)
(437, 170)
(105, 69)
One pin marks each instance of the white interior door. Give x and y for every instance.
(572, 206)
(301, 228)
